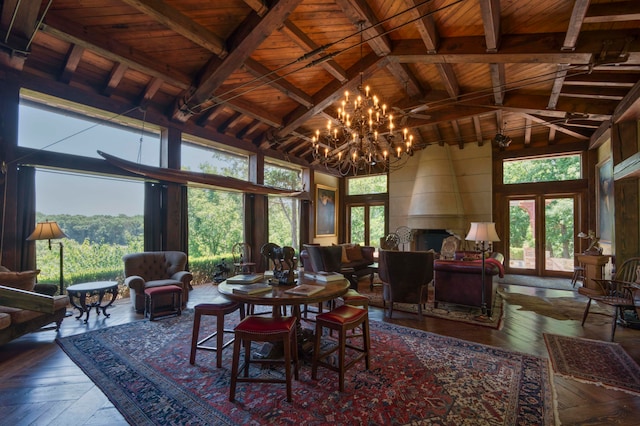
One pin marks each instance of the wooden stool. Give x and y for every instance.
(264, 329)
(342, 319)
(218, 307)
(153, 297)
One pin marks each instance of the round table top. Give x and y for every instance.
(277, 296)
(93, 286)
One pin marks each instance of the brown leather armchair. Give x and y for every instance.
(155, 269)
(405, 276)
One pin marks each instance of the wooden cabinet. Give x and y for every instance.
(593, 268)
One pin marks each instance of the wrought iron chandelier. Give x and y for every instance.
(363, 137)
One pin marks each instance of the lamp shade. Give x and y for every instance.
(482, 231)
(47, 231)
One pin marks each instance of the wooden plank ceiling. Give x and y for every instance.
(265, 74)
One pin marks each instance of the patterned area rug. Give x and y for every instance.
(415, 377)
(593, 361)
(447, 311)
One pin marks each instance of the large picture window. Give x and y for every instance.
(57, 130)
(216, 219)
(284, 212)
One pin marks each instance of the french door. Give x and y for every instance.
(366, 224)
(541, 235)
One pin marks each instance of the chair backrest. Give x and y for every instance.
(325, 258)
(629, 270)
(390, 241)
(154, 265)
(449, 247)
(241, 252)
(406, 272)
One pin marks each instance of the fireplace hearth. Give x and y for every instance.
(429, 239)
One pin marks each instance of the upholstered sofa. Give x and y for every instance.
(155, 269)
(459, 281)
(23, 311)
(356, 259)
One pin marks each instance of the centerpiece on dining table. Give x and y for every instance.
(284, 263)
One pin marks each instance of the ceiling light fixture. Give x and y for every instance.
(363, 137)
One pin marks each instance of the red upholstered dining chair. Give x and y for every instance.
(405, 277)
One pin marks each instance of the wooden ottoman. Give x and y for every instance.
(162, 301)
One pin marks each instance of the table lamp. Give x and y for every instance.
(50, 231)
(483, 233)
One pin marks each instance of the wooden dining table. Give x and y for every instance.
(277, 298)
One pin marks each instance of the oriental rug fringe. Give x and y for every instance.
(416, 377)
(593, 361)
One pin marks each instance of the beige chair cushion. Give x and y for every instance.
(21, 280)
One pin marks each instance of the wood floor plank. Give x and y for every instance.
(39, 384)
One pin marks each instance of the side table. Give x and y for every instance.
(85, 296)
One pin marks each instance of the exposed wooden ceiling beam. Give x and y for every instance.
(302, 40)
(230, 122)
(149, 92)
(258, 6)
(457, 133)
(478, 130)
(360, 13)
(104, 46)
(115, 77)
(498, 82)
(252, 32)
(71, 63)
(266, 75)
(575, 24)
(490, 10)
(448, 77)
(556, 126)
(188, 28)
(613, 12)
(612, 94)
(332, 92)
(520, 48)
(601, 135)
(629, 107)
(424, 23)
(561, 73)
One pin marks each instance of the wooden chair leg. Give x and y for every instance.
(586, 312)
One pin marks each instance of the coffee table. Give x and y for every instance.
(89, 295)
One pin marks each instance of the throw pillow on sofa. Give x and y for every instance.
(25, 280)
(354, 253)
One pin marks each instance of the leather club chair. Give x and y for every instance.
(405, 277)
(460, 281)
(155, 269)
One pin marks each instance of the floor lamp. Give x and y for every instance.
(483, 233)
(50, 231)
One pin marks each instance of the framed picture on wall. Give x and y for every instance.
(604, 197)
(326, 211)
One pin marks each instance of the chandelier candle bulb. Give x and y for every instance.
(359, 143)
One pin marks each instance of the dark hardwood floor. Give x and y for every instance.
(40, 385)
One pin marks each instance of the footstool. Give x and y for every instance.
(162, 301)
